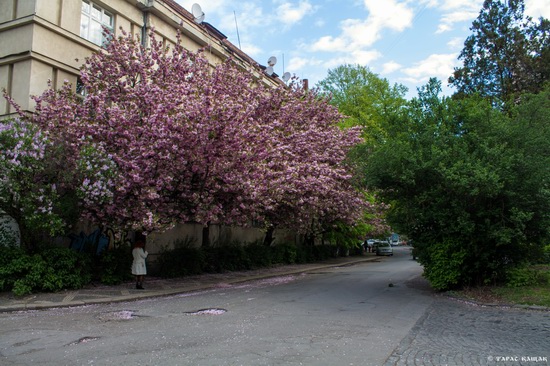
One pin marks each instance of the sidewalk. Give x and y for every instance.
(155, 287)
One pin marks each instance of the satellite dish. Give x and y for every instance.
(269, 70)
(198, 14)
(272, 61)
(286, 76)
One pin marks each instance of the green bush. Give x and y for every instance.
(66, 269)
(259, 255)
(526, 276)
(231, 257)
(181, 261)
(443, 264)
(284, 254)
(324, 252)
(50, 269)
(546, 254)
(115, 265)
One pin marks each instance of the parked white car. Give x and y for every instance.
(384, 248)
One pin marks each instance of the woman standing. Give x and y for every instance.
(138, 266)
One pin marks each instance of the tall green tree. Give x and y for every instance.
(506, 54)
(366, 99)
(469, 183)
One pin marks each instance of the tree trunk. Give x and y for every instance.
(309, 240)
(268, 239)
(206, 235)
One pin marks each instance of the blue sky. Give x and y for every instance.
(406, 42)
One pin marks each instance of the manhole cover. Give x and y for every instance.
(213, 311)
(118, 315)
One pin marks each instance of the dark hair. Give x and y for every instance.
(139, 244)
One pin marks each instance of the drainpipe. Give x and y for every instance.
(144, 27)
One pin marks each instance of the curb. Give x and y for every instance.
(495, 305)
(171, 292)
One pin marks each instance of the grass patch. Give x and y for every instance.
(528, 295)
(534, 291)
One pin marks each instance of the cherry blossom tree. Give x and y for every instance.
(162, 137)
(305, 179)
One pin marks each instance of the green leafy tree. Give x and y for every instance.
(468, 183)
(506, 54)
(364, 97)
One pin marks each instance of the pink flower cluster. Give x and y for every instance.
(163, 137)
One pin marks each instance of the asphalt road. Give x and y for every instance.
(376, 313)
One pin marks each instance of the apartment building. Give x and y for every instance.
(43, 40)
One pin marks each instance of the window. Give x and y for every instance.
(80, 88)
(92, 21)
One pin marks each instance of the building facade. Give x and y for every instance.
(43, 40)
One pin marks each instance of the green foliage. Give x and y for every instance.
(522, 276)
(65, 269)
(284, 254)
(184, 260)
(364, 97)
(347, 236)
(460, 170)
(232, 257)
(259, 255)
(546, 254)
(51, 269)
(443, 264)
(114, 265)
(507, 53)
(181, 261)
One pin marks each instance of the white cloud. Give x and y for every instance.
(357, 57)
(456, 43)
(251, 49)
(537, 8)
(362, 33)
(390, 67)
(320, 23)
(289, 13)
(329, 44)
(457, 11)
(302, 64)
(436, 65)
(389, 14)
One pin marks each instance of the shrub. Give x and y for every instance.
(284, 254)
(50, 269)
(546, 254)
(181, 261)
(443, 265)
(65, 269)
(324, 252)
(258, 255)
(115, 265)
(232, 257)
(525, 276)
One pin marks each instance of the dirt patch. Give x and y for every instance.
(483, 294)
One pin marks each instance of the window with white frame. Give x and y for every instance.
(92, 21)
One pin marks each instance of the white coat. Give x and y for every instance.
(138, 266)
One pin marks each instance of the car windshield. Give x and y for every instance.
(383, 245)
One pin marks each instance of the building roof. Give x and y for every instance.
(232, 49)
